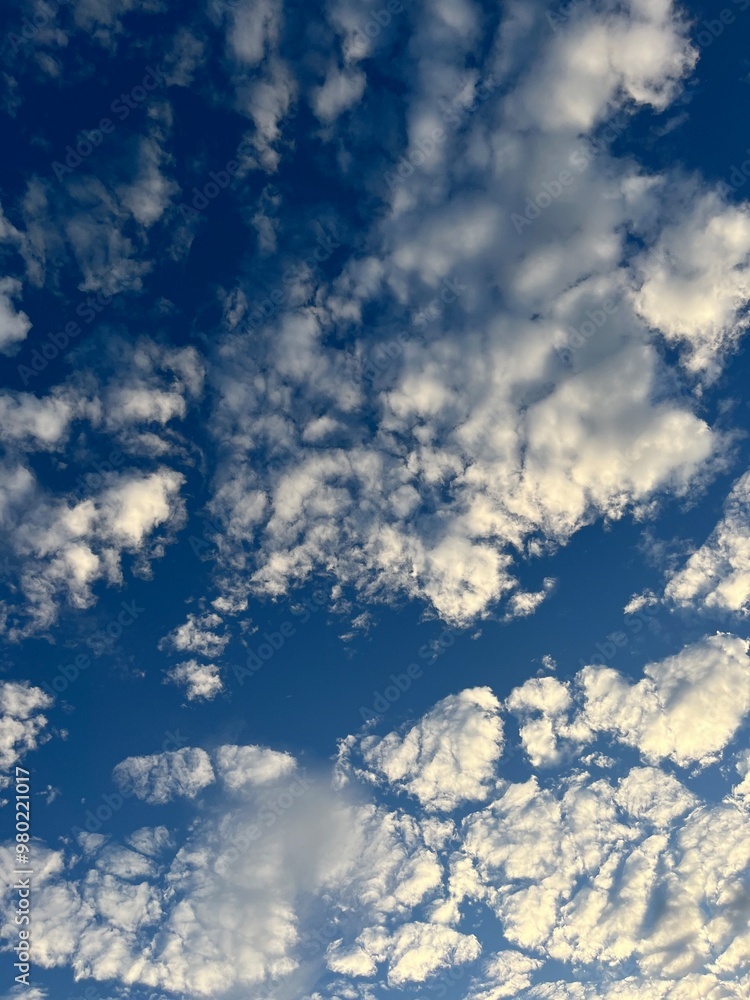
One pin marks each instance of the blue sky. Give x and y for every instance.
(374, 499)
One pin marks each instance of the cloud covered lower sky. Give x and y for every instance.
(628, 874)
(374, 497)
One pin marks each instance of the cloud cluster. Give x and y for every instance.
(197, 635)
(202, 680)
(161, 777)
(503, 382)
(449, 757)
(513, 389)
(64, 547)
(716, 577)
(21, 723)
(14, 324)
(59, 545)
(619, 880)
(686, 707)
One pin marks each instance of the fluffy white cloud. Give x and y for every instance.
(696, 280)
(649, 794)
(21, 723)
(43, 423)
(60, 545)
(505, 975)
(640, 49)
(419, 950)
(717, 575)
(243, 768)
(197, 635)
(449, 757)
(165, 776)
(14, 324)
(514, 387)
(151, 841)
(634, 881)
(66, 547)
(150, 389)
(340, 91)
(251, 33)
(543, 705)
(202, 680)
(687, 707)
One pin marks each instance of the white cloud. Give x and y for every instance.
(151, 191)
(27, 420)
(161, 777)
(21, 723)
(252, 32)
(341, 90)
(197, 635)
(634, 881)
(717, 576)
(61, 545)
(202, 680)
(267, 101)
(14, 325)
(150, 389)
(650, 794)
(507, 409)
(109, 261)
(696, 279)
(419, 950)
(543, 706)
(687, 707)
(151, 841)
(505, 975)
(449, 757)
(638, 601)
(244, 768)
(70, 547)
(640, 50)
(382, 859)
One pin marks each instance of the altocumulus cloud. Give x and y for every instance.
(482, 438)
(481, 442)
(624, 875)
(414, 394)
